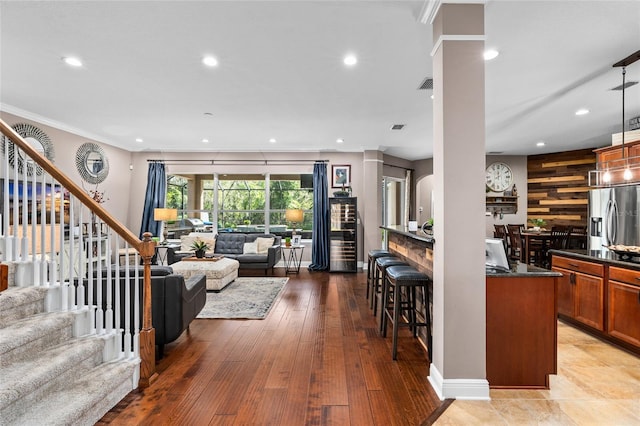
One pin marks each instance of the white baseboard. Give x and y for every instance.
(477, 389)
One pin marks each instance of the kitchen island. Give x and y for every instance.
(521, 314)
(599, 292)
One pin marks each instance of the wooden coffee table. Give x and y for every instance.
(219, 271)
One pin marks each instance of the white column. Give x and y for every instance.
(458, 368)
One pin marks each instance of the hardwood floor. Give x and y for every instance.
(317, 359)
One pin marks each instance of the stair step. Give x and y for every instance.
(85, 400)
(20, 302)
(25, 383)
(26, 337)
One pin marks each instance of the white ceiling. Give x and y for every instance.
(281, 73)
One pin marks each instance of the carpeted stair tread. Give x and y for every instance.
(50, 369)
(85, 400)
(26, 331)
(19, 302)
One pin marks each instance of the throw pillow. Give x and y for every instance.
(250, 248)
(264, 244)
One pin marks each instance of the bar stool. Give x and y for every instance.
(379, 276)
(373, 255)
(409, 278)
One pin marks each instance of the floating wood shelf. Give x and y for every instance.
(502, 204)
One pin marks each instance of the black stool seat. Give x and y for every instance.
(409, 278)
(373, 255)
(381, 264)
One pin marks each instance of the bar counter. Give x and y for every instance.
(521, 314)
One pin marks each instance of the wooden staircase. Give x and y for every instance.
(70, 347)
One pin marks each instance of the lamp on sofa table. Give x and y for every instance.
(165, 215)
(294, 216)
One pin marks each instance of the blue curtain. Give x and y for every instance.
(154, 197)
(321, 223)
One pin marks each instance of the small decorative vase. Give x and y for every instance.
(199, 254)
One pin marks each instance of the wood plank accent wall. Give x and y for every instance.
(557, 187)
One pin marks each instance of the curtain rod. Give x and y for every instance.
(235, 162)
(399, 167)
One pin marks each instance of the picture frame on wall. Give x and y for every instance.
(340, 176)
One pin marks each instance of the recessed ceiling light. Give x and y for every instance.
(205, 140)
(339, 140)
(139, 140)
(490, 54)
(71, 61)
(432, 97)
(350, 60)
(582, 111)
(210, 61)
(272, 140)
(541, 143)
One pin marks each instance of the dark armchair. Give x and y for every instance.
(175, 302)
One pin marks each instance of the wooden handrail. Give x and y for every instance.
(71, 186)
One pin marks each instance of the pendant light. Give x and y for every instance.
(627, 175)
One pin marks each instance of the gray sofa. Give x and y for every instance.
(232, 244)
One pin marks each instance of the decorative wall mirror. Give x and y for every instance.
(37, 139)
(92, 163)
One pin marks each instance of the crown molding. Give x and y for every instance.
(430, 8)
(54, 123)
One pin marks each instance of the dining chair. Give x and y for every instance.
(559, 240)
(515, 241)
(500, 231)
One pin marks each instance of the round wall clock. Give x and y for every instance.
(498, 177)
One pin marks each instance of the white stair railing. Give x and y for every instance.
(51, 238)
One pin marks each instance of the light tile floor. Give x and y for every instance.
(596, 384)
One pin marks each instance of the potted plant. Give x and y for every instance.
(200, 247)
(428, 225)
(537, 223)
(287, 241)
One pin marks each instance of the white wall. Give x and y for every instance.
(66, 145)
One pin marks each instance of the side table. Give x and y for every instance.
(292, 258)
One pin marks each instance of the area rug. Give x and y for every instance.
(245, 298)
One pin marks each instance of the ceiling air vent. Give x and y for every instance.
(397, 127)
(626, 85)
(495, 152)
(427, 84)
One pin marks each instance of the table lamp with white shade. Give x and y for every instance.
(294, 216)
(165, 215)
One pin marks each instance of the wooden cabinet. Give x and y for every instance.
(624, 305)
(521, 331)
(343, 246)
(502, 204)
(581, 291)
(614, 152)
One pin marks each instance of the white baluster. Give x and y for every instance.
(99, 310)
(127, 312)
(34, 225)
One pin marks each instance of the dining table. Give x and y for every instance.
(529, 237)
(544, 238)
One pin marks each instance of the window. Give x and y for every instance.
(242, 203)
(177, 193)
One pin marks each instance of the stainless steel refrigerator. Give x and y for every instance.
(614, 218)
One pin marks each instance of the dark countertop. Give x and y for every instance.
(416, 235)
(603, 256)
(522, 270)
